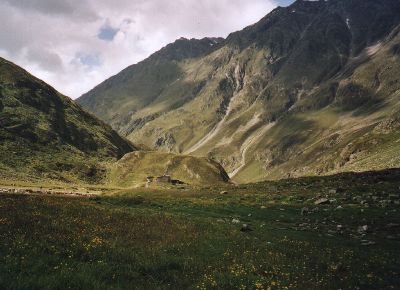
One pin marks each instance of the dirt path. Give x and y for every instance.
(48, 191)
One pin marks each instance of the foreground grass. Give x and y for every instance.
(187, 239)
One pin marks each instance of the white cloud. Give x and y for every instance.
(58, 40)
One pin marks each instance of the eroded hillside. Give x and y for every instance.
(310, 89)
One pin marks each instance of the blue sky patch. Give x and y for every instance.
(89, 60)
(284, 2)
(107, 32)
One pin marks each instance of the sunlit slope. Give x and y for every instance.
(134, 168)
(303, 91)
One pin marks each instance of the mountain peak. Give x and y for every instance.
(184, 48)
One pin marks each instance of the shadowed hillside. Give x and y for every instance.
(45, 135)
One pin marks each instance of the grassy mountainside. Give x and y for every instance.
(45, 135)
(310, 89)
(134, 167)
(154, 81)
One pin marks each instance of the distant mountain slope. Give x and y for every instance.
(44, 134)
(135, 167)
(312, 88)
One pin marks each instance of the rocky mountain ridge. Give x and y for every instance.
(306, 90)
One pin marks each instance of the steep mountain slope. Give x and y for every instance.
(44, 134)
(144, 91)
(310, 89)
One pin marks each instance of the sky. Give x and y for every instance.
(76, 44)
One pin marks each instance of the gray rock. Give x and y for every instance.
(321, 201)
(362, 229)
(367, 243)
(305, 211)
(235, 221)
(246, 228)
(333, 191)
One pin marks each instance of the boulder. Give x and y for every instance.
(321, 201)
(305, 211)
(246, 228)
(362, 229)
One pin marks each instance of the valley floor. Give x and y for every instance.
(338, 232)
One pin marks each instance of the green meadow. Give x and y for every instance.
(268, 235)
